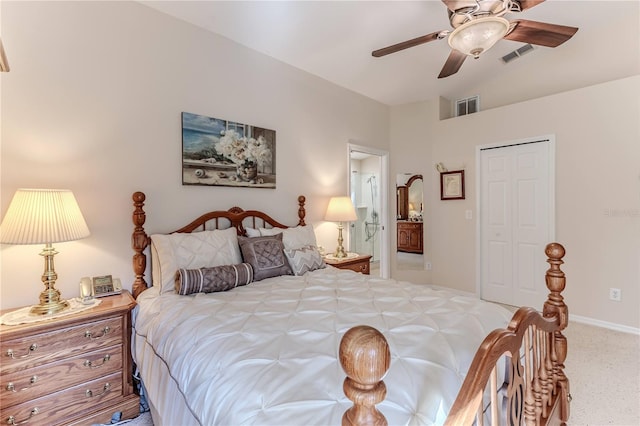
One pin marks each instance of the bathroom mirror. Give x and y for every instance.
(410, 216)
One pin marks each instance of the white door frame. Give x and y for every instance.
(384, 198)
(552, 194)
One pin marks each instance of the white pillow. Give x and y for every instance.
(252, 232)
(293, 238)
(204, 249)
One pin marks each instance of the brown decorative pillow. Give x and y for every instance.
(210, 280)
(265, 255)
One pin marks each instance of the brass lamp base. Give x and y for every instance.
(50, 302)
(340, 252)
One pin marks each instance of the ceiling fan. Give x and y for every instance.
(479, 24)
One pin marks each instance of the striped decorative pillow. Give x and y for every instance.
(210, 280)
(304, 259)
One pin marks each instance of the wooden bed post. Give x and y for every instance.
(139, 241)
(555, 307)
(365, 357)
(301, 211)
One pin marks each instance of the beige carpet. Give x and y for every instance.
(604, 369)
(409, 261)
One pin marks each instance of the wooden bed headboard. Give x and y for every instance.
(219, 219)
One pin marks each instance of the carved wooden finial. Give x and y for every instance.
(555, 277)
(365, 357)
(139, 197)
(301, 211)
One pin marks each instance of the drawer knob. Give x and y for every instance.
(12, 420)
(11, 387)
(31, 349)
(89, 334)
(90, 364)
(89, 393)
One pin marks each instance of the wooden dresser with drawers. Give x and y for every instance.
(75, 369)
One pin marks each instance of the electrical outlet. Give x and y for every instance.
(615, 294)
(428, 266)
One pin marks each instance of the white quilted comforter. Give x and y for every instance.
(266, 354)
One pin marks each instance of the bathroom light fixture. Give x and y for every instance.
(44, 216)
(340, 210)
(478, 35)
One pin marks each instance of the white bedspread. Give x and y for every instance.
(266, 354)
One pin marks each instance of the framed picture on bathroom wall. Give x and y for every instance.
(452, 185)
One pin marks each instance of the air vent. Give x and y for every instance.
(517, 53)
(467, 106)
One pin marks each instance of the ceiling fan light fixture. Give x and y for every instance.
(479, 35)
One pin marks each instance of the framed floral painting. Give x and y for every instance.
(217, 152)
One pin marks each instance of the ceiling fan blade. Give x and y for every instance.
(405, 45)
(453, 63)
(528, 4)
(540, 33)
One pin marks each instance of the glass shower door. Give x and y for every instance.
(364, 232)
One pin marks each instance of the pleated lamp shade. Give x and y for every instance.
(340, 209)
(43, 216)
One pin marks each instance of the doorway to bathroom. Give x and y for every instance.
(368, 172)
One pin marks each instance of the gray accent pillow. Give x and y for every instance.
(304, 259)
(265, 255)
(210, 280)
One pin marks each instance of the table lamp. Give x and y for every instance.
(44, 216)
(340, 210)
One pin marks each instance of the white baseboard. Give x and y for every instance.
(572, 317)
(604, 324)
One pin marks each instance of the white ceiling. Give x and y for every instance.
(334, 40)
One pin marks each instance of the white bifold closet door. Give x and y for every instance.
(516, 221)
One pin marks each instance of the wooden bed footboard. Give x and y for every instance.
(219, 219)
(535, 392)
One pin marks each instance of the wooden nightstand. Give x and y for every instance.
(361, 263)
(74, 369)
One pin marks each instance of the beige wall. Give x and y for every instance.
(597, 131)
(93, 103)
